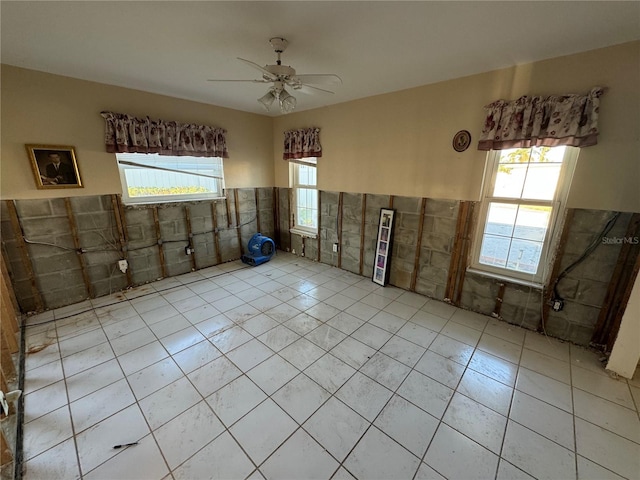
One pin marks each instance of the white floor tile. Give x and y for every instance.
(364, 395)
(603, 386)
(45, 375)
(543, 418)
(46, 431)
(60, 461)
(133, 340)
(259, 324)
(426, 393)
(178, 341)
(249, 355)
(141, 461)
(214, 375)
(587, 470)
(462, 333)
(91, 357)
(222, 458)
(154, 377)
(196, 356)
(455, 456)
(387, 321)
(263, 430)
(353, 352)
(385, 370)
(336, 427)
(272, 374)
(546, 365)
(301, 353)
(142, 357)
(301, 397)
(439, 309)
(494, 367)
(329, 372)
(378, 456)
(187, 433)
(325, 337)
(97, 406)
(371, 335)
(470, 319)
(279, 337)
(168, 402)
(607, 449)
(487, 391)
(548, 346)
(476, 421)
(525, 449)
(408, 425)
(452, 349)
(441, 369)
(417, 334)
(545, 388)
(506, 471)
(425, 472)
(606, 414)
(429, 320)
(500, 348)
(361, 311)
(45, 400)
(95, 445)
(505, 331)
(235, 400)
(229, 339)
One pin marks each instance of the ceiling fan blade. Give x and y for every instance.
(263, 70)
(226, 80)
(309, 89)
(320, 79)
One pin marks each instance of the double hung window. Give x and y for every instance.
(524, 192)
(304, 183)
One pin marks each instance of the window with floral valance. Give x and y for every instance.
(570, 120)
(128, 134)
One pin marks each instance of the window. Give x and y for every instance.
(304, 183)
(523, 193)
(151, 178)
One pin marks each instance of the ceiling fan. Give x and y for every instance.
(282, 76)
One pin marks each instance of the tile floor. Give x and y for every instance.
(294, 369)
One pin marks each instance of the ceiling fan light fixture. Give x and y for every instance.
(287, 102)
(267, 99)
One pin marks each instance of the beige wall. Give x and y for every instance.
(626, 350)
(400, 143)
(48, 109)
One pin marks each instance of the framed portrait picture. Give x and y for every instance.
(54, 166)
(383, 247)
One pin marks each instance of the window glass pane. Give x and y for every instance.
(532, 222)
(494, 250)
(541, 182)
(524, 256)
(307, 207)
(501, 219)
(510, 180)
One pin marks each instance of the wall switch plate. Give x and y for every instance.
(335, 248)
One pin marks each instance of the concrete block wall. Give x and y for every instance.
(584, 288)
(436, 247)
(56, 264)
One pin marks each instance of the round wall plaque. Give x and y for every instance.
(461, 141)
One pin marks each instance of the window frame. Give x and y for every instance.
(151, 199)
(294, 184)
(558, 205)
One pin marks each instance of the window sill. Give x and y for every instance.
(505, 278)
(304, 233)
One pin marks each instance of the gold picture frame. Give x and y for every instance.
(54, 166)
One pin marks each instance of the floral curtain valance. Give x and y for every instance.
(125, 133)
(301, 143)
(542, 121)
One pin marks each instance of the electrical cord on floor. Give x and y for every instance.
(557, 302)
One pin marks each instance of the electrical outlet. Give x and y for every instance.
(557, 305)
(335, 248)
(188, 250)
(123, 265)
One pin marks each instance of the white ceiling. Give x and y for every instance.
(376, 47)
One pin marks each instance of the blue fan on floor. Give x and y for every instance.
(260, 250)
